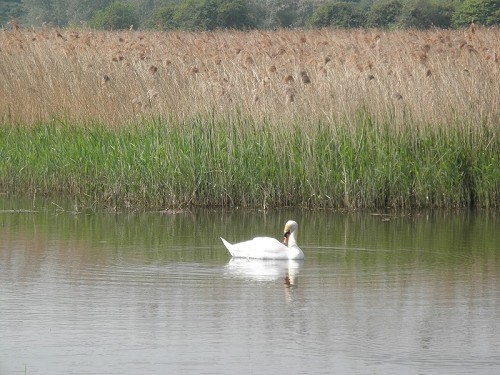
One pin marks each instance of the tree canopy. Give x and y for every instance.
(245, 14)
(339, 14)
(117, 15)
(483, 12)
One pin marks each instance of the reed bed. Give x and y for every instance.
(240, 163)
(434, 77)
(318, 118)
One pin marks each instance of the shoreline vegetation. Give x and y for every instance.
(332, 119)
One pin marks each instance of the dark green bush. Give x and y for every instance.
(117, 16)
(339, 14)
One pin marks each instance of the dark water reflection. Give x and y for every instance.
(150, 293)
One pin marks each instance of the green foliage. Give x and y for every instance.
(191, 14)
(303, 10)
(202, 15)
(10, 10)
(482, 12)
(163, 18)
(279, 13)
(243, 14)
(81, 11)
(423, 14)
(205, 162)
(384, 13)
(40, 12)
(118, 15)
(61, 12)
(338, 14)
(232, 14)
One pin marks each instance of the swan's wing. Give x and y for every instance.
(259, 247)
(267, 243)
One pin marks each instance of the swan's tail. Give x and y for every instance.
(228, 245)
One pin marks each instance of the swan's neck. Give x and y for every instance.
(291, 239)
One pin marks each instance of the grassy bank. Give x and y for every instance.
(318, 118)
(240, 162)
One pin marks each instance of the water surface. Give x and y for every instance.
(146, 293)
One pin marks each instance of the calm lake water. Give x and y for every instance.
(147, 293)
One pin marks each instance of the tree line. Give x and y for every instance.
(200, 15)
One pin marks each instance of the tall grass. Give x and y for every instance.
(436, 77)
(240, 162)
(317, 118)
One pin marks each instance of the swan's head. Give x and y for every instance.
(290, 227)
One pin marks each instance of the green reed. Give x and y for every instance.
(239, 162)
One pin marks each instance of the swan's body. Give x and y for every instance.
(267, 247)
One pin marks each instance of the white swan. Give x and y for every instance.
(269, 248)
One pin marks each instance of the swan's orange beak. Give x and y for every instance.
(285, 237)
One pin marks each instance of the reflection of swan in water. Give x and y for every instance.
(267, 247)
(265, 270)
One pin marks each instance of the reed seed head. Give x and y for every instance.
(305, 78)
(152, 69)
(290, 95)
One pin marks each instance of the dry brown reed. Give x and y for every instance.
(432, 77)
